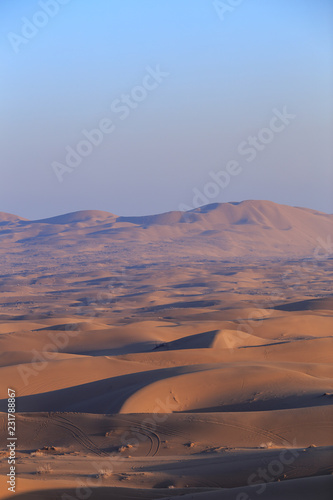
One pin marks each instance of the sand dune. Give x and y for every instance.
(88, 216)
(309, 488)
(243, 386)
(141, 452)
(177, 355)
(228, 229)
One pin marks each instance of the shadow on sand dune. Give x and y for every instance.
(108, 493)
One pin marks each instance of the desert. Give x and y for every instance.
(166, 250)
(178, 355)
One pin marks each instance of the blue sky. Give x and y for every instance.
(68, 66)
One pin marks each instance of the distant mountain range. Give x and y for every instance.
(221, 230)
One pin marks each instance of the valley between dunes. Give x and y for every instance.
(169, 356)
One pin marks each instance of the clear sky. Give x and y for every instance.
(194, 101)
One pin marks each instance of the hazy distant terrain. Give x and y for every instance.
(172, 354)
(227, 230)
